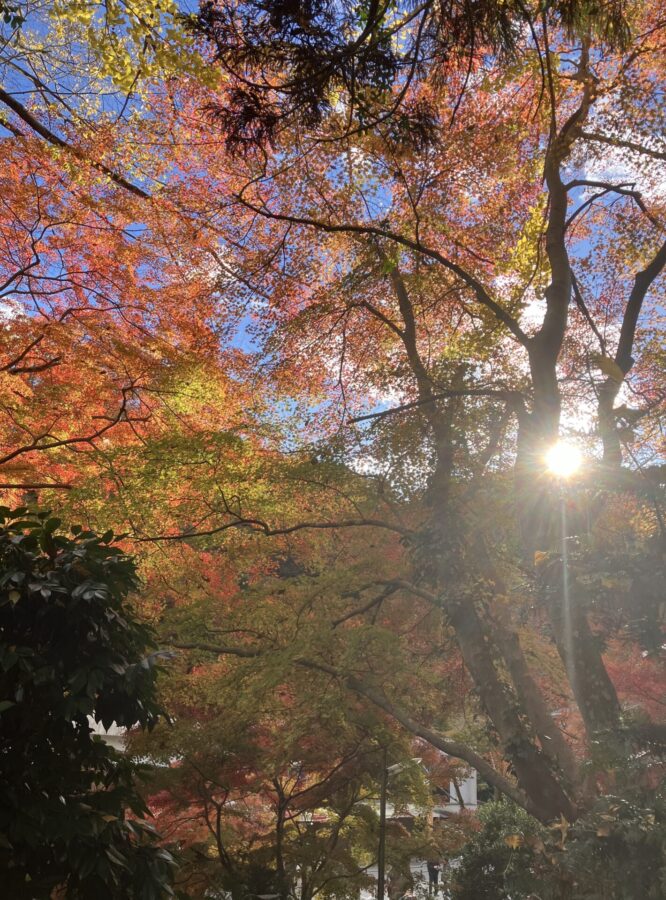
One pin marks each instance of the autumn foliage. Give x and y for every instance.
(304, 338)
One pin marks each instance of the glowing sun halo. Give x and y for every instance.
(563, 459)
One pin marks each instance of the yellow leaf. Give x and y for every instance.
(513, 840)
(540, 558)
(563, 827)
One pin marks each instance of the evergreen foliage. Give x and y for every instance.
(70, 815)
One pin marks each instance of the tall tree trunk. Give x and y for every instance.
(281, 875)
(532, 767)
(580, 652)
(444, 555)
(458, 570)
(550, 737)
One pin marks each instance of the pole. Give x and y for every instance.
(567, 617)
(381, 852)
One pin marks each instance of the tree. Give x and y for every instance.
(71, 817)
(394, 270)
(498, 860)
(94, 272)
(248, 821)
(614, 852)
(294, 62)
(421, 319)
(269, 782)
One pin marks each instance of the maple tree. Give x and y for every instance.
(489, 283)
(108, 307)
(274, 792)
(347, 351)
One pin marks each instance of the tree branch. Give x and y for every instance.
(451, 747)
(514, 397)
(482, 296)
(624, 189)
(34, 486)
(37, 446)
(610, 388)
(57, 141)
(621, 142)
(259, 525)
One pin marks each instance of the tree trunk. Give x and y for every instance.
(281, 875)
(580, 652)
(532, 767)
(550, 737)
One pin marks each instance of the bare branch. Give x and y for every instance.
(580, 302)
(621, 142)
(511, 397)
(625, 189)
(262, 527)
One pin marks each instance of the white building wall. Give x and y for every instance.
(115, 736)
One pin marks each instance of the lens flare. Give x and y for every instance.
(563, 459)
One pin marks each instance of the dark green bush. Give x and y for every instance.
(70, 814)
(616, 851)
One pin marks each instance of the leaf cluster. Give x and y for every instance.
(71, 652)
(617, 851)
(298, 62)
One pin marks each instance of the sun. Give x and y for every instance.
(563, 459)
